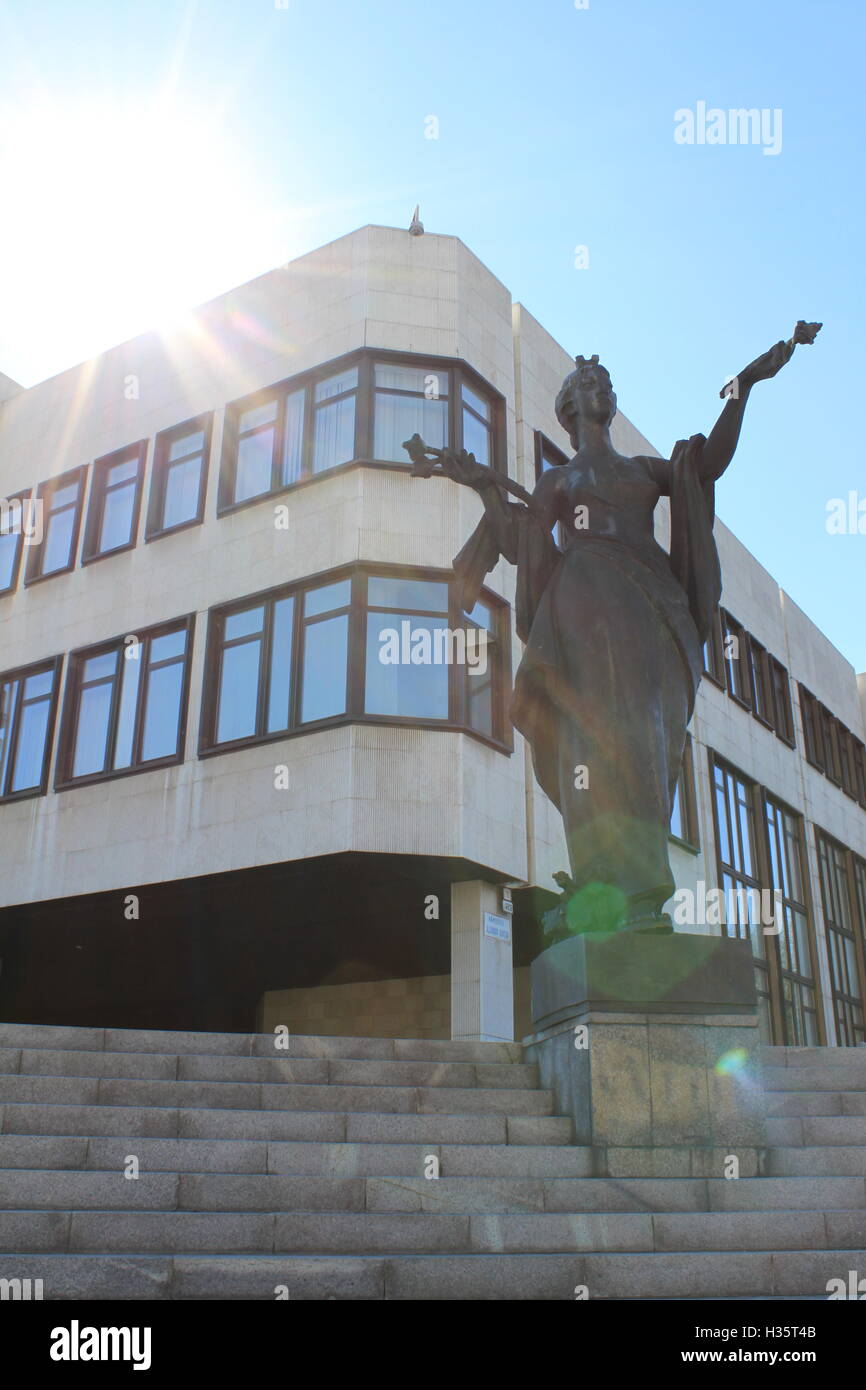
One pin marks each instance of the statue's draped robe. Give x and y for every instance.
(614, 628)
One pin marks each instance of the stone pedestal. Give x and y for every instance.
(651, 1044)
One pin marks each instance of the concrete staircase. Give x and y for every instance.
(304, 1171)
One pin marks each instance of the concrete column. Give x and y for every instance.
(482, 976)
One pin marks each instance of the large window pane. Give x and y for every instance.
(399, 417)
(57, 547)
(403, 687)
(324, 668)
(181, 492)
(117, 513)
(255, 462)
(476, 438)
(239, 689)
(9, 545)
(162, 712)
(334, 438)
(90, 742)
(29, 754)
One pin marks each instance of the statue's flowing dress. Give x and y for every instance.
(614, 629)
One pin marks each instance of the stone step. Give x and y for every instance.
(326, 1231)
(831, 1076)
(832, 1160)
(780, 1103)
(817, 1130)
(61, 1037)
(549, 1278)
(164, 1066)
(284, 1095)
(319, 1125)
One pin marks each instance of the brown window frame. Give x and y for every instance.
(760, 684)
(738, 683)
(839, 870)
(688, 801)
(53, 664)
(44, 493)
(23, 497)
(99, 489)
(813, 736)
(365, 360)
(545, 448)
(357, 573)
(714, 649)
(154, 529)
(780, 684)
(63, 778)
(785, 944)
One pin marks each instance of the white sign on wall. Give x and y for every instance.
(500, 927)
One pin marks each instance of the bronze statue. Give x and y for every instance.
(613, 627)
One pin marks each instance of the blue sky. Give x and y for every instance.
(278, 129)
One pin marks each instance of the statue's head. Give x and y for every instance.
(586, 393)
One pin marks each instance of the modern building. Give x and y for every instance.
(220, 809)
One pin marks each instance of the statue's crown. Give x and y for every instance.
(586, 361)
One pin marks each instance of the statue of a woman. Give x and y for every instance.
(613, 627)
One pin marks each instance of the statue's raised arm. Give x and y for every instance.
(722, 440)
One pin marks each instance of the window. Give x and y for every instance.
(760, 683)
(830, 737)
(115, 499)
(547, 456)
(376, 645)
(788, 877)
(812, 732)
(17, 517)
(179, 481)
(269, 445)
(125, 704)
(405, 617)
(740, 876)
(407, 401)
(859, 753)
(28, 698)
(846, 754)
(783, 714)
(477, 426)
(684, 818)
(60, 501)
(844, 903)
(714, 657)
(735, 651)
(361, 408)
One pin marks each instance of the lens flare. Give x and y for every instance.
(732, 1063)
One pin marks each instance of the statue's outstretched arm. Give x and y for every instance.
(724, 436)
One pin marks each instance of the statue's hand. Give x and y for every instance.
(769, 363)
(464, 468)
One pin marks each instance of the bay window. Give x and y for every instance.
(367, 644)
